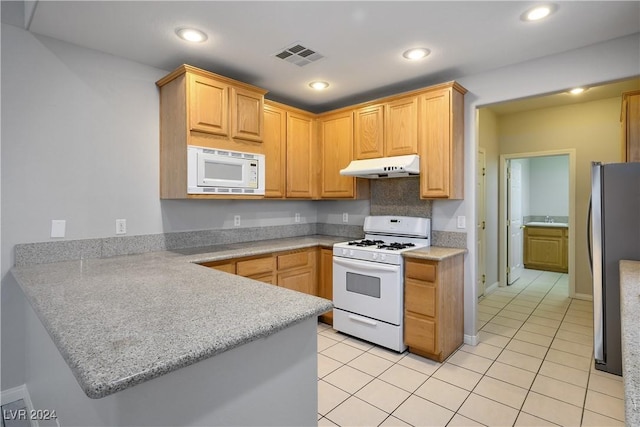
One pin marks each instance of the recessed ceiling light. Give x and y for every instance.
(416, 53)
(538, 12)
(318, 85)
(191, 35)
(577, 90)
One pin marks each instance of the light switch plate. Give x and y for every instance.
(58, 228)
(462, 221)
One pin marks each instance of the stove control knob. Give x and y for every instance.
(351, 252)
(344, 252)
(382, 257)
(375, 256)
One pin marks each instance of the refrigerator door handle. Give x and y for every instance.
(597, 268)
(589, 250)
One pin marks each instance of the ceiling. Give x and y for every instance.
(592, 93)
(361, 41)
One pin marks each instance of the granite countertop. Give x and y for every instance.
(434, 253)
(124, 320)
(629, 312)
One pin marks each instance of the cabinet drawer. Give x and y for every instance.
(420, 270)
(266, 278)
(293, 260)
(227, 268)
(545, 231)
(255, 266)
(420, 333)
(420, 297)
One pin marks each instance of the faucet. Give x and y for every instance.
(547, 219)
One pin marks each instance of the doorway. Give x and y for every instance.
(534, 187)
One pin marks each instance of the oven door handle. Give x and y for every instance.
(363, 320)
(370, 266)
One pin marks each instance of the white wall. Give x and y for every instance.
(549, 186)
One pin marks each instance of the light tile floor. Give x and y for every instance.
(532, 367)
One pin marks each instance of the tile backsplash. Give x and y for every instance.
(401, 196)
(398, 196)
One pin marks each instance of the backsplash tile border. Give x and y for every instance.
(67, 250)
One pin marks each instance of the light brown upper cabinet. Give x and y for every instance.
(290, 148)
(389, 129)
(369, 132)
(207, 110)
(630, 119)
(208, 105)
(336, 152)
(441, 142)
(401, 127)
(275, 150)
(301, 156)
(247, 114)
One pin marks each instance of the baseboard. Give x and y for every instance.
(471, 339)
(17, 393)
(491, 288)
(13, 394)
(585, 297)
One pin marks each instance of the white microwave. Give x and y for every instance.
(212, 171)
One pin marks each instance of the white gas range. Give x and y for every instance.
(368, 278)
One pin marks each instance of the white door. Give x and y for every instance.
(480, 224)
(514, 221)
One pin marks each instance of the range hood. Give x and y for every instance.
(384, 167)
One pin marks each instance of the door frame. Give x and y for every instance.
(502, 211)
(481, 216)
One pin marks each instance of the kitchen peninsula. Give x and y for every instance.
(155, 339)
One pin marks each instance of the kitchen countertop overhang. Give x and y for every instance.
(124, 320)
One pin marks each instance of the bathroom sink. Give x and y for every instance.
(546, 224)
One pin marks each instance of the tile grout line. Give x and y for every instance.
(540, 302)
(512, 338)
(505, 347)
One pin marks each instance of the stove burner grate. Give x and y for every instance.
(366, 242)
(396, 246)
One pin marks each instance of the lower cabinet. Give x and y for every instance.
(546, 248)
(434, 306)
(260, 269)
(296, 270)
(325, 281)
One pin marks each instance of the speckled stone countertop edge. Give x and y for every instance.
(96, 389)
(434, 253)
(240, 250)
(630, 310)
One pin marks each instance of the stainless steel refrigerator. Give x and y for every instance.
(614, 235)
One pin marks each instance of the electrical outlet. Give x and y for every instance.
(121, 226)
(297, 217)
(236, 221)
(345, 217)
(58, 227)
(462, 221)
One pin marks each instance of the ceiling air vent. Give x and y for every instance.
(298, 54)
